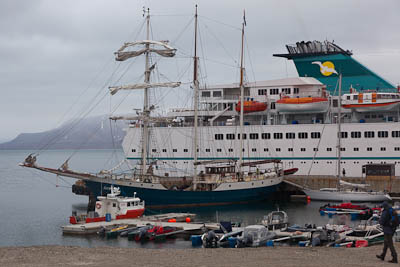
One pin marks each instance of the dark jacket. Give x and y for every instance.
(385, 219)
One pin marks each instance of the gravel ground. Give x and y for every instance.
(265, 256)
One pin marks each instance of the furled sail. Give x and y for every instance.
(122, 55)
(115, 89)
(353, 185)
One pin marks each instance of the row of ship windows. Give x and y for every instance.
(290, 149)
(304, 135)
(349, 162)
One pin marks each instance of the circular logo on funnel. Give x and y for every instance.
(326, 68)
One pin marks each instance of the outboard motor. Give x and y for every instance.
(210, 240)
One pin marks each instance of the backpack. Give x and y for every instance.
(394, 219)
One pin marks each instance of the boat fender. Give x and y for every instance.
(147, 180)
(98, 206)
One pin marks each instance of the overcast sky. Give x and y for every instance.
(57, 56)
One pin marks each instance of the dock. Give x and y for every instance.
(161, 219)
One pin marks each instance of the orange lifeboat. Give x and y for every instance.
(251, 106)
(302, 104)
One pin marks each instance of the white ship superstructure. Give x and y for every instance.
(305, 139)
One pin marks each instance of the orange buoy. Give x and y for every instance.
(188, 219)
(172, 220)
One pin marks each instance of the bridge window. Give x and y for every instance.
(290, 135)
(343, 135)
(266, 149)
(205, 94)
(315, 135)
(355, 149)
(369, 134)
(207, 150)
(383, 134)
(274, 91)
(265, 136)
(355, 134)
(303, 135)
(383, 148)
(397, 148)
(230, 136)
(219, 137)
(254, 150)
(185, 150)
(230, 149)
(295, 90)
(328, 149)
(174, 150)
(342, 149)
(278, 149)
(164, 150)
(395, 133)
(272, 105)
(369, 148)
(133, 150)
(262, 91)
(217, 94)
(315, 149)
(254, 136)
(219, 150)
(302, 149)
(290, 149)
(278, 135)
(244, 136)
(154, 150)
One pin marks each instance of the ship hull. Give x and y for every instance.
(158, 198)
(346, 196)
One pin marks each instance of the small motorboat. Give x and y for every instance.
(111, 207)
(150, 234)
(276, 220)
(255, 236)
(362, 211)
(290, 171)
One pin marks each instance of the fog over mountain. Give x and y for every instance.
(88, 133)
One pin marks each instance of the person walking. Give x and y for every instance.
(388, 231)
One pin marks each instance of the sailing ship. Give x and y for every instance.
(218, 182)
(340, 193)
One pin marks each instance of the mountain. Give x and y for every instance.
(89, 133)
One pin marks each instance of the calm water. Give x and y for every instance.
(34, 205)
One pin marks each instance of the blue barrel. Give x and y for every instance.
(108, 217)
(270, 243)
(354, 216)
(196, 240)
(321, 212)
(232, 241)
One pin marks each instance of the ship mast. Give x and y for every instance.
(241, 94)
(127, 51)
(339, 147)
(145, 136)
(195, 103)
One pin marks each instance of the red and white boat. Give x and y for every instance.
(251, 106)
(309, 104)
(112, 207)
(371, 100)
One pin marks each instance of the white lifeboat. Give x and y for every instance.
(302, 104)
(371, 101)
(116, 206)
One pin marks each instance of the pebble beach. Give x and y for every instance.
(47, 256)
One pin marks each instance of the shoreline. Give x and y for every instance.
(53, 255)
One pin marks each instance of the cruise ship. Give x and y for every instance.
(291, 119)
